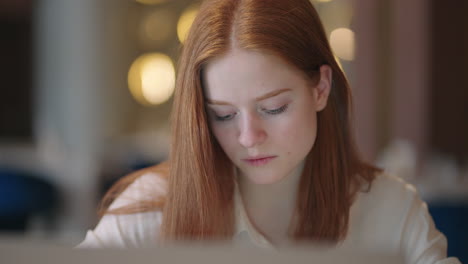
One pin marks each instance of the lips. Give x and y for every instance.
(259, 160)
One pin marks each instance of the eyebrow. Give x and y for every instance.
(260, 98)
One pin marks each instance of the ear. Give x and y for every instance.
(323, 87)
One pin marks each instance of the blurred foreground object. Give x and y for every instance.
(38, 253)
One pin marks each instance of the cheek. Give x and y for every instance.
(300, 130)
(224, 136)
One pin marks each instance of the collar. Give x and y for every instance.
(244, 231)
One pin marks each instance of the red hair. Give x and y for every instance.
(199, 202)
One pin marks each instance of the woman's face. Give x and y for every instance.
(263, 112)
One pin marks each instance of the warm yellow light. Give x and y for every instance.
(151, 78)
(185, 22)
(151, 2)
(343, 43)
(323, 1)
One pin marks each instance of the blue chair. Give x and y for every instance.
(23, 195)
(452, 220)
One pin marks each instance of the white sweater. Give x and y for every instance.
(390, 217)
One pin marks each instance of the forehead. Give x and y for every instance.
(241, 75)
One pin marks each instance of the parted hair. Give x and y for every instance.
(199, 200)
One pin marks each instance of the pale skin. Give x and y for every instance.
(259, 106)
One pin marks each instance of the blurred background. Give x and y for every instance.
(86, 92)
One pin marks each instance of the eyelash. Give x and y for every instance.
(276, 111)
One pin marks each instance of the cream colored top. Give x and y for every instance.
(390, 217)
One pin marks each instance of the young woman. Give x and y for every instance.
(262, 150)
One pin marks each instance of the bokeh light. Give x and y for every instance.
(185, 22)
(151, 78)
(342, 41)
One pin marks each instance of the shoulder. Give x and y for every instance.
(378, 214)
(389, 198)
(387, 186)
(135, 215)
(392, 216)
(145, 185)
(148, 184)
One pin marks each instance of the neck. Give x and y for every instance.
(265, 202)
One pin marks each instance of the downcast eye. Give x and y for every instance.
(225, 117)
(277, 110)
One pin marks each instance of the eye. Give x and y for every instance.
(224, 118)
(277, 110)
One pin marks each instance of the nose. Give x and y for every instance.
(252, 132)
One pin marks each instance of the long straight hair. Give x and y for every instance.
(199, 201)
